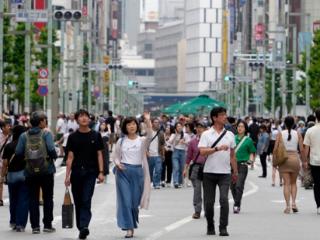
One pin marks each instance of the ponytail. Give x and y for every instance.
(289, 134)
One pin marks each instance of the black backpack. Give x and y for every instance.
(36, 155)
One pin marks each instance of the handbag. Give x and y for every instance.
(67, 211)
(193, 164)
(14, 177)
(201, 167)
(280, 155)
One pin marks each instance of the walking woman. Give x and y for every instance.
(180, 141)
(166, 174)
(14, 167)
(290, 169)
(262, 149)
(132, 174)
(245, 151)
(105, 134)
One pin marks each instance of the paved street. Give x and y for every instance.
(170, 212)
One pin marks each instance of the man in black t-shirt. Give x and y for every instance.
(111, 122)
(84, 165)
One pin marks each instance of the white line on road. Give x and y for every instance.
(180, 223)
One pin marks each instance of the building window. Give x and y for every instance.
(148, 55)
(148, 47)
(140, 72)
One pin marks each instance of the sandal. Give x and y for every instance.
(129, 234)
(287, 210)
(294, 208)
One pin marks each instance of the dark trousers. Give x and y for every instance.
(238, 187)
(82, 187)
(263, 161)
(19, 203)
(167, 167)
(315, 171)
(210, 182)
(46, 182)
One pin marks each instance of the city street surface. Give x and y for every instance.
(169, 216)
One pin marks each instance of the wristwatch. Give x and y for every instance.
(101, 172)
(216, 149)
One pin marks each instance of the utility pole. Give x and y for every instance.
(294, 80)
(49, 98)
(61, 85)
(273, 80)
(27, 61)
(75, 78)
(1, 54)
(90, 17)
(308, 50)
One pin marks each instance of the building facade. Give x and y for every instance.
(166, 56)
(145, 44)
(203, 29)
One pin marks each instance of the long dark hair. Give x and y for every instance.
(244, 124)
(289, 122)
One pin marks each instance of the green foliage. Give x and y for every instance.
(314, 72)
(268, 89)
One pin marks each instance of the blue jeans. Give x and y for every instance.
(155, 168)
(19, 202)
(82, 187)
(178, 162)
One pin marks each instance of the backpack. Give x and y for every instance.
(36, 155)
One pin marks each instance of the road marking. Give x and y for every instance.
(180, 223)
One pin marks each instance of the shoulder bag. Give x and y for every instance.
(280, 155)
(200, 172)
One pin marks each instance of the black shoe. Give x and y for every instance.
(36, 230)
(223, 232)
(210, 230)
(1, 203)
(49, 229)
(176, 186)
(84, 233)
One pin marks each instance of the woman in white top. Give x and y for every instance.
(180, 141)
(132, 174)
(290, 168)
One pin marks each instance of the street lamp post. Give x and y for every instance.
(27, 62)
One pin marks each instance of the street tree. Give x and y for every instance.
(314, 72)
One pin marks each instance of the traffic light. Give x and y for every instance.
(67, 15)
(256, 65)
(114, 66)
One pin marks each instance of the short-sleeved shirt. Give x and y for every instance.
(17, 163)
(312, 139)
(246, 148)
(218, 162)
(85, 147)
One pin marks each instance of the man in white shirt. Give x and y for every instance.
(312, 143)
(217, 170)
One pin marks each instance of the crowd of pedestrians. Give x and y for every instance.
(161, 151)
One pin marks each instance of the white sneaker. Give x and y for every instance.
(318, 210)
